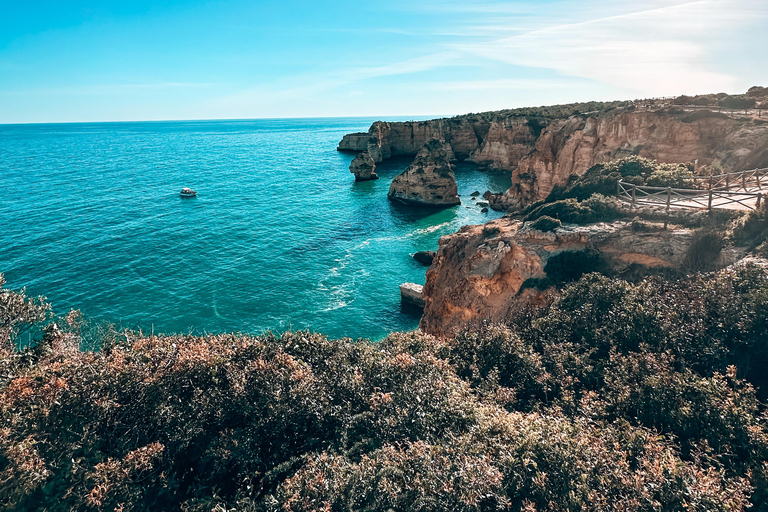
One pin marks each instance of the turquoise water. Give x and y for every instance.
(280, 236)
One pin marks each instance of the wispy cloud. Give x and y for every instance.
(657, 50)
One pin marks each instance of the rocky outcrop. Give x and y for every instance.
(429, 180)
(363, 167)
(410, 293)
(480, 271)
(542, 152)
(354, 142)
(425, 257)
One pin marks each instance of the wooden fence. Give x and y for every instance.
(723, 191)
(750, 111)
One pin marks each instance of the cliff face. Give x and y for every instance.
(543, 152)
(506, 143)
(479, 271)
(572, 146)
(354, 142)
(429, 180)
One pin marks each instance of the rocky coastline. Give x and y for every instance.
(491, 271)
(543, 149)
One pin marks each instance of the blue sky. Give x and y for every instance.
(152, 60)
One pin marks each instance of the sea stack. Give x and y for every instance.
(363, 167)
(429, 180)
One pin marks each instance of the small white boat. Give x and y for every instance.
(187, 192)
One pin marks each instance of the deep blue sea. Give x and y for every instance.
(279, 237)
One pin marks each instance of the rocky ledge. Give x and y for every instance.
(491, 271)
(429, 180)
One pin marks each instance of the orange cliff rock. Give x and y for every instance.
(543, 152)
(572, 146)
(479, 271)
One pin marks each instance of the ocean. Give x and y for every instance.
(280, 236)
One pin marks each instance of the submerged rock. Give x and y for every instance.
(363, 167)
(425, 257)
(429, 180)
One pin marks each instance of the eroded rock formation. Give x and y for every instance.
(429, 180)
(542, 152)
(363, 167)
(479, 271)
(572, 146)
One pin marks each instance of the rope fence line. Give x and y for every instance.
(734, 190)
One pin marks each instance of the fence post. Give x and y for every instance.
(743, 181)
(709, 204)
(727, 180)
(759, 199)
(669, 198)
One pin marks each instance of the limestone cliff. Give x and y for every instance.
(543, 150)
(429, 180)
(354, 142)
(572, 146)
(479, 272)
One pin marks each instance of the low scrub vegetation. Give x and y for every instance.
(546, 223)
(613, 397)
(597, 208)
(602, 178)
(751, 231)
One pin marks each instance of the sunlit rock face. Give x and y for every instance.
(570, 147)
(363, 167)
(480, 271)
(429, 180)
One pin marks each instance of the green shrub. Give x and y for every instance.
(737, 102)
(597, 208)
(18, 314)
(703, 253)
(568, 266)
(671, 175)
(602, 178)
(546, 223)
(613, 396)
(751, 230)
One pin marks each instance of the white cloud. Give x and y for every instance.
(659, 50)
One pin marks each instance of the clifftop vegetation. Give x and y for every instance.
(612, 396)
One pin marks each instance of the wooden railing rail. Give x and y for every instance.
(719, 191)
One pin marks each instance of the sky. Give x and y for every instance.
(101, 60)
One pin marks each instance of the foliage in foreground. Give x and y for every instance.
(616, 396)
